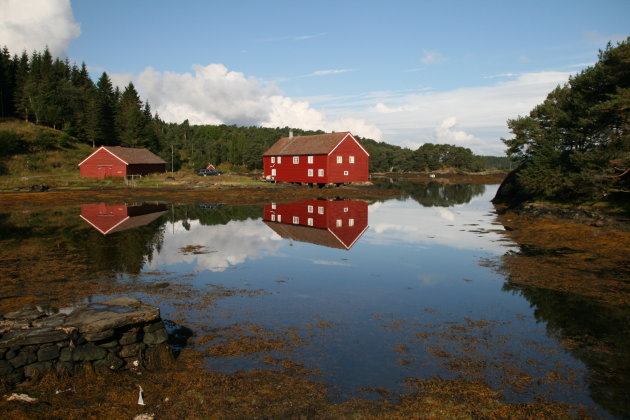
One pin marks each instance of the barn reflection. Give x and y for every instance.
(334, 224)
(111, 218)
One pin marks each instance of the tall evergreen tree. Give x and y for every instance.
(130, 118)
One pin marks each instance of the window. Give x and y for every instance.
(273, 217)
(309, 209)
(310, 172)
(351, 222)
(310, 159)
(320, 172)
(320, 210)
(345, 209)
(339, 159)
(279, 159)
(273, 172)
(296, 220)
(279, 218)
(273, 206)
(345, 173)
(351, 159)
(296, 160)
(273, 159)
(309, 221)
(339, 223)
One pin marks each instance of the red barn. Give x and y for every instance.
(335, 224)
(120, 161)
(111, 218)
(336, 158)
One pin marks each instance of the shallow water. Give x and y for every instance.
(364, 294)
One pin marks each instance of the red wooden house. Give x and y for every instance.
(335, 224)
(120, 161)
(111, 218)
(336, 158)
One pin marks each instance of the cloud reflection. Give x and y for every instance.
(226, 245)
(394, 221)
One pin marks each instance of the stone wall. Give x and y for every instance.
(120, 333)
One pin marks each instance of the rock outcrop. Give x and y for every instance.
(113, 334)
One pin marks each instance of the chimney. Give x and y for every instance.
(290, 134)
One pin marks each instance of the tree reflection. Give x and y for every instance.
(597, 335)
(434, 194)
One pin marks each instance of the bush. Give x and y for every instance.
(11, 143)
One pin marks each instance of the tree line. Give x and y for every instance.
(575, 146)
(52, 92)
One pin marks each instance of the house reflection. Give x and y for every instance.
(335, 224)
(111, 218)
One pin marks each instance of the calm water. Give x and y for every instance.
(376, 292)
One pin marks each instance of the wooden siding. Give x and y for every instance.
(104, 163)
(333, 172)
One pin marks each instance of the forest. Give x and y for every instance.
(575, 146)
(52, 92)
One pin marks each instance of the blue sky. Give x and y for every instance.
(404, 72)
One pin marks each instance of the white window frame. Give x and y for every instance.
(309, 159)
(350, 159)
(273, 171)
(309, 221)
(338, 223)
(309, 209)
(345, 209)
(320, 209)
(279, 218)
(345, 173)
(339, 159)
(273, 217)
(273, 206)
(296, 220)
(350, 222)
(296, 160)
(310, 172)
(273, 159)
(320, 172)
(279, 159)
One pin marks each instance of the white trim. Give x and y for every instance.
(107, 150)
(353, 242)
(355, 140)
(99, 229)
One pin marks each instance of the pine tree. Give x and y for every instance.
(130, 119)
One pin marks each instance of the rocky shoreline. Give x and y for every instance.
(115, 334)
(586, 216)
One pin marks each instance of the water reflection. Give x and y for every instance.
(429, 194)
(112, 218)
(404, 296)
(335, 224)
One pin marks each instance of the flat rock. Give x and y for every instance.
(32, 336)
(111, 314)
(28, 313)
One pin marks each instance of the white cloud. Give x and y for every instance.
(215, 95)
(599, 38)
(432, 57)
(410, 119)
(329, 72)
(31, 25)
